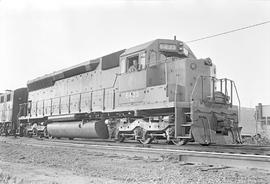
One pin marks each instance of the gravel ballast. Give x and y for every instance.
(30, 164)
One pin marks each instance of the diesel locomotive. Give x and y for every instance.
(157, 90)
(9, 109)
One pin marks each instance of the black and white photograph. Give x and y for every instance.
(134, 91)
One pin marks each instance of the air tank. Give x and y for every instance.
(79, 129)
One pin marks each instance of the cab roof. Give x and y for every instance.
(147, 45)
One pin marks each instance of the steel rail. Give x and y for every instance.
(212, 158)
(239, 148)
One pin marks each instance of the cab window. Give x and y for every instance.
(142, 61)
(133, 63)
(8, 97)
(152, 57)
(123, 66)
(162, 57)
(29, 107)
(2, 99)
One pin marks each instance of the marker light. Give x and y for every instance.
(185, 51)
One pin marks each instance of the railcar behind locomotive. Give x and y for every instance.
(9, 109)
(156, 90)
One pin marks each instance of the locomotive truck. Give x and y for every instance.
(156, 90)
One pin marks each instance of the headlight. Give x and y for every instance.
(208, 62)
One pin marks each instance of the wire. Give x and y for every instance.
(227, 32)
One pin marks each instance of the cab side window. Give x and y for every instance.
(123, 66)
(142, 61)
(133, 63)
(8, 97)
(153, 57)
(2, 99)
(29, 107)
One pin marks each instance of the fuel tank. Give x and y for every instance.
(79, 129)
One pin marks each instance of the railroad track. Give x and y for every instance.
(229, 155)
(239, 148)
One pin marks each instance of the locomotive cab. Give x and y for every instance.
(148, 73)
(152, 53)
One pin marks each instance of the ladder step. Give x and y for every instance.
(188, 124)
(184, 137)
(187, 113)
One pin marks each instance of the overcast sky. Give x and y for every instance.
(39, 37)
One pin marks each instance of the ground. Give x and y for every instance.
(34, 164)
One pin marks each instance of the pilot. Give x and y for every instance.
(133, 67)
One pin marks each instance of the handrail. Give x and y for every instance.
(176, 89)
(239, 102)
(195, 86)
(237, 95)
(196, 83)
(221, 86)
(116, 77)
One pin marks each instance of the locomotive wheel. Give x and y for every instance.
(50, 137)
(146, 139)
(170, 142)
(29, 134)
(204, 144)
(35, 132)
(45, 133)
(180, 142)
(40, 135)
(120, 138)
